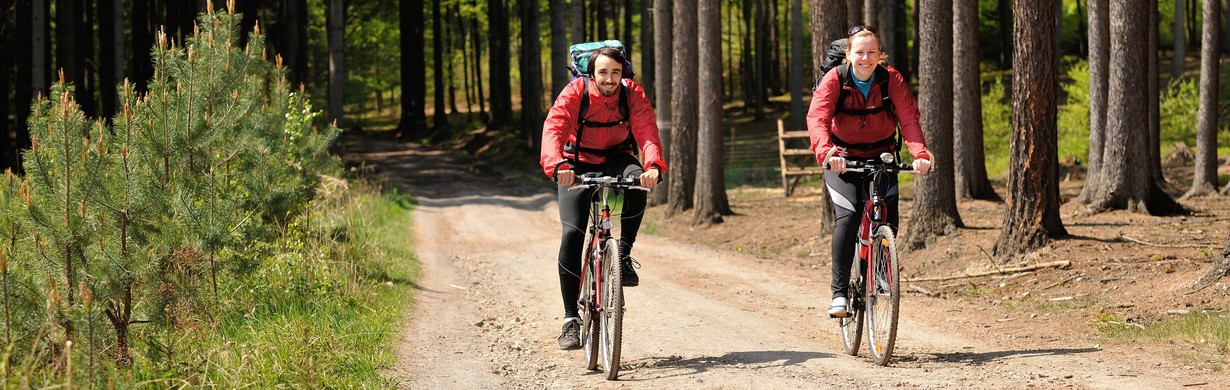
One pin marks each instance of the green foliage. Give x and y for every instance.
(996, 127)
(1207, 334)
(1074, 115)
(1179, 107)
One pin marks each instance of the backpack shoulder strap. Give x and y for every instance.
(843, 76)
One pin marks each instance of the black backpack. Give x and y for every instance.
(833, 59)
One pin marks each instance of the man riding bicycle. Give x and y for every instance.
(617, 121)
(855, 112)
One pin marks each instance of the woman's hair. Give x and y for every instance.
(866, 31)
(614, 54)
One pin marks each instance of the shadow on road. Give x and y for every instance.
(977, 359)
(674, 366)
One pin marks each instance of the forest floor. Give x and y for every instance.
(741, 304)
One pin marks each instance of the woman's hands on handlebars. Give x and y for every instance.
(649, 179)
(838, 164)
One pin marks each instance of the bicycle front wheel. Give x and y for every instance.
(883, 296)
(588, 307)
(612, 309)
(852, 324)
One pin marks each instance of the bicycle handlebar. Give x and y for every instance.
(872, 166)
(591, 180)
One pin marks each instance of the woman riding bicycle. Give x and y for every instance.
(851, 118)
(617, 122)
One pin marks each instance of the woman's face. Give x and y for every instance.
(607, 73)
(864, 54)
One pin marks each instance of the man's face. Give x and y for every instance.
(607, 73)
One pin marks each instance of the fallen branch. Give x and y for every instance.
(1143, 242)
(1053, 264)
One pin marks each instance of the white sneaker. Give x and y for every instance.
(838, 307)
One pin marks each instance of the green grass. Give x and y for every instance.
(1207, 334)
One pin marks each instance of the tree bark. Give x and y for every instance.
(559, 46)
(577, 21)
(1032, 217)
(798, 109)
(901, 46)
(869, 12)
(476, 41)
(935, 204)
(971, 168)
(110, 53)
(826, 26)
(1099, 63)
(1205, 182)
(854, 14)
(500, 67)
(648, 63)
(68, 49)
(337, 68)
(531, 75)
(682, 182)
(1179, 34)
(1123, 184)
(1005, 34)
(663, 33)
(711, 202)
(1154, 98)
(437, 51)
(747, 64)
(413, 75)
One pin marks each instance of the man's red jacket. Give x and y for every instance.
(561, 126)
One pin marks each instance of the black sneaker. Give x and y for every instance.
(628, 274)
(570, 336)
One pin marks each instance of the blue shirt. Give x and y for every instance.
(863, 86)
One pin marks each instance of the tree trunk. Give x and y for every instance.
(1153, 96)
(499, 68)
(450, 69)
(747, 64)
(869, 12)
(760, 59)
(648, 63)
(901, 45)
(1099, 63)
(798, 110)
(683, 110)
(437, 51)
(826, 26)
(884, 24)
(935, 203)
(1205, 182)
(1225, 32)
(337, 68)
(971, 168)
(854, 15)
(1005, 34)
(142, 40)
(578, 21)
(559, 46)
(1179, 34)
(663, 33)
(531, 75)
(110, 53)
(68, 49)
(1032, 217)
(711, 202)
(476, 41)
(629, 42)
(601, 18)
(413, 75)
(1122, 183)
(7, 80)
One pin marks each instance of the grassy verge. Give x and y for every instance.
(1207, 335)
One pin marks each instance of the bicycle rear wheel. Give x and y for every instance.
(588, 308)
(851, 325)
(612, 309)
(883, 296)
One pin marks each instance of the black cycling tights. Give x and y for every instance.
(574, 216)
(848, 195)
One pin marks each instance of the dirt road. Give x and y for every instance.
(488, 311)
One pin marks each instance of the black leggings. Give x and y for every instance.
(574, 216)
(849, 195)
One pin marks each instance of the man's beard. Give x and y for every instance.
(608, 92)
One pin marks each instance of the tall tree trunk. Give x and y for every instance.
(296, 53)
(827, 24)
(337, 69)
(578, 21)
(901, 45)
(759, 63)
(854, 14)
(1205, 182)
(1180, 44)
(476, 41)
(682, 174)
(1081, 31)
(884, 25)
(711, 202)
(68, 45)
(971, 168)
(466, 55)
(1032, 217)
(647, 70)
(142, 40)
(559, 46)
(499, 68)
(935, 204)
(1225, 32)
(600, 20)
(437, 51)
(1099, 63)
(747, 62)
(531, 74)
(773, 74)
(663, 33)
(110, 53)
(23, 86)
(1154, 98)
(870, 10)
(7, 81)
(452, 42)
(798, 110)
(1123, 184)
(629, 42)
(1005, 34)
(413, 75)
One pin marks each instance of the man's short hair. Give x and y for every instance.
(611, 52)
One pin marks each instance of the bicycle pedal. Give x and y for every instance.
(845, 315)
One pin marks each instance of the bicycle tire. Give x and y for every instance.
(613, 309)
(588, 310)
(851, 326)
(883, 296)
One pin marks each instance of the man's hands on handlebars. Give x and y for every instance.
(649, 179)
